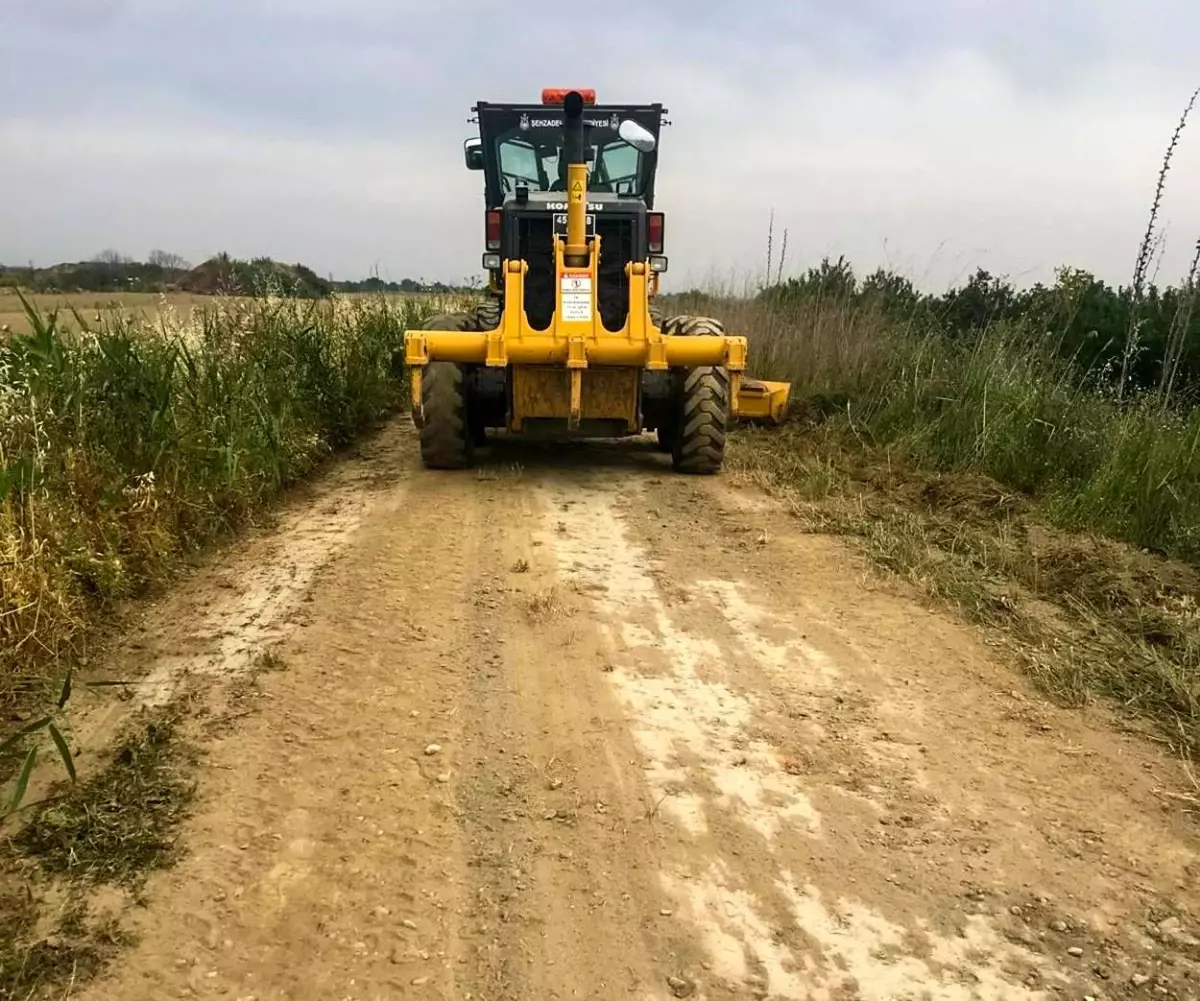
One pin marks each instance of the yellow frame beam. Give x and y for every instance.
(577, 339)
(575, 343)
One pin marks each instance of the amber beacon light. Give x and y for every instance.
(556, 95)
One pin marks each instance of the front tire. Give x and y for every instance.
(683, 325)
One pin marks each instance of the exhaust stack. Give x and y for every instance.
(576, 252)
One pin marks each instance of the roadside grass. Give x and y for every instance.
(128, 443)
(997, 401)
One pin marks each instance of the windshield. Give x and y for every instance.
(537, 162)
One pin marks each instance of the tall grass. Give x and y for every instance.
(999, 401)
(125, 444)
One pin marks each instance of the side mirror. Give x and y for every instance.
(639, 138)
(473, 154)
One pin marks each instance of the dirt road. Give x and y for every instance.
(574, 727)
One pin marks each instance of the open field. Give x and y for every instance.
(143, 307)
(94, 306)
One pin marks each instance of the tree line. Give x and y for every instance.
(111, 271)
(1131, 338)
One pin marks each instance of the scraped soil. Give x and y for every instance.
(572, 726)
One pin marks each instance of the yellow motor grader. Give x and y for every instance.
(569, 342)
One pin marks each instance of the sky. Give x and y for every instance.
(928, 136)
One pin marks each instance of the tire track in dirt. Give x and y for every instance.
(691, 677)
(565, 896)
(571, 726)
(974, 842)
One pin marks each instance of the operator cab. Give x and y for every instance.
(521, 145)
(521, 153)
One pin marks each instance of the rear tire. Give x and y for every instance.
(703, 415)
(692, 326)
(447, 438)
(465, 322)
(683, 325)
(487, 314)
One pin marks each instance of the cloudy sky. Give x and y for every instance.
(932, 136)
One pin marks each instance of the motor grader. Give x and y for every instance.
(569, 341)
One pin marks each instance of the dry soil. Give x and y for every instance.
(571, 726)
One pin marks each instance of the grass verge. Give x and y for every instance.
(999, 401)
(126, 445)
(57, 927)
(1087, 617)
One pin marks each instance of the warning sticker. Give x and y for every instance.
(576, 287)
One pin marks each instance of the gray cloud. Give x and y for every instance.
(933, 136)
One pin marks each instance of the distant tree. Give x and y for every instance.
(112, 257)
(167, 261)
(890, 292)
(833, 280)
(983, 300)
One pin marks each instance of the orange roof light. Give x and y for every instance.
(556, 95)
